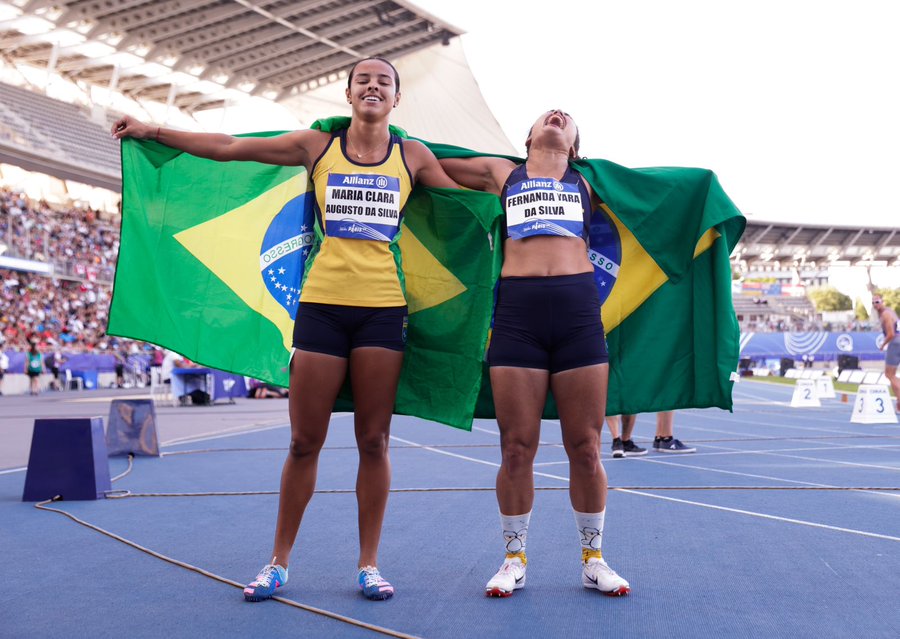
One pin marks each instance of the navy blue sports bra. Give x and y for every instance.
(545, 206)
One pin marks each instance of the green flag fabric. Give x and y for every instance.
(660, 246)
(212, 255)
(672, 333)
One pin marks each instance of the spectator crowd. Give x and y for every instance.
(54, 314)
(77, 241)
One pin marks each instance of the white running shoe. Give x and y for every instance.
(511, 576)
(598, 575)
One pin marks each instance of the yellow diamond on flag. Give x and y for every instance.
(639, 276)
(428, 282)
(229, 246)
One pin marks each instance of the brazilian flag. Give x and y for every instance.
(212, 256)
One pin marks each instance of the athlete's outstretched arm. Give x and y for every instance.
(425, 168)
(290, 149)
(483, 173)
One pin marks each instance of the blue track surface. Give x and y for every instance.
(702, 562)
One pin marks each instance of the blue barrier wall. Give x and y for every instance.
(822, 346)
(78, 362)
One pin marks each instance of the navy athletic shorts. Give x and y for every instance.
(336, 330)
(548, 323)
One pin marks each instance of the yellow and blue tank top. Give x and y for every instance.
(359, 207)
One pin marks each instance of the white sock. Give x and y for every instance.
(515, 532)
(590, 528)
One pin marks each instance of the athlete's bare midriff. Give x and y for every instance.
(544, 256)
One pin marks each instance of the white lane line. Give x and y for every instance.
(743, 392)
(737, 451)
(467, 458)
(221, 434)
(750, 513)
(236, 430)
(13, 470)
(731, 472)
(497, 434)
(805, 458)
(779, 426)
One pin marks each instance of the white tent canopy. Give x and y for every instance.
(440, 101)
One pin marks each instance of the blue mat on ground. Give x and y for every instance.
(702, 563)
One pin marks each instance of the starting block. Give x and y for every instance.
(132, 428)
(825, 387)
(68, 458)
(805, 394)
(874, 405)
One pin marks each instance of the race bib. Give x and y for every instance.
(544, 206)
(362, 207)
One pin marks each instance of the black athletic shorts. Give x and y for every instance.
(549, 323)
(336, 330)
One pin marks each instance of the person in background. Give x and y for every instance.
(261, 390)
(890, 326)
(663, 442)
(34, 367)
(121, 355)
(56, 362)
(4, 365)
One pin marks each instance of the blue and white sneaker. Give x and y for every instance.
(671, 445)
(268, 579)
(373, 585)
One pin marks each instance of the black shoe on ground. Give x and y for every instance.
(632, 449)
(671, 445)
(618, 451)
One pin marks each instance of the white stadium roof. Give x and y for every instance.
(817, 245)
(198, 55)
(192, 51)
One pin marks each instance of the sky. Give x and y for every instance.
(794, 104)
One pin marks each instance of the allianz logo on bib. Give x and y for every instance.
(379, 181)
(357, 180)
(527, 185)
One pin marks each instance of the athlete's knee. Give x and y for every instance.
(373, 445)
(518, 455)
(305, 445)
(585, 454)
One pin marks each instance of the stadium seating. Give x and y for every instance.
(57, 129)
